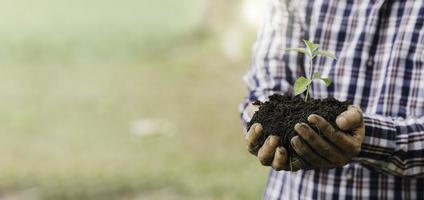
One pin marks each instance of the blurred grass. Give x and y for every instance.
(74, 75)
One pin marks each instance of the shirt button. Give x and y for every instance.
(370, 63)
(349, 176)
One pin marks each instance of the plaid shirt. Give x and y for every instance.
(380, 67)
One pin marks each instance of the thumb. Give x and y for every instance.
(350, 119)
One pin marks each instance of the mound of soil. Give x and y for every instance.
(280, 114)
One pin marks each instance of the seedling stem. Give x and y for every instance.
(303, 84)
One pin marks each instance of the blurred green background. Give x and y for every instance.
(129, 99)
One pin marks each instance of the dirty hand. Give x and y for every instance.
(270, 153)
(338, 147)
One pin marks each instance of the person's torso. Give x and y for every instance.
(380, 50)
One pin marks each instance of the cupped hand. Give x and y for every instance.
(337, 147)
(270, 153)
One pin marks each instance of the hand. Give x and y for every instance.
(270, 153)
(338, 147)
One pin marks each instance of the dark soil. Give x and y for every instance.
(280, 114)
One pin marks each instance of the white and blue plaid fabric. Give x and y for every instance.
(380, 49)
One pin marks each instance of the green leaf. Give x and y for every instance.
(301, 85)
(311, 46)
(317, 75)
(299, 50)
(326, 54)
(327, 81)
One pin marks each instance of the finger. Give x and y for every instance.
(298, 164)
(267, 151)
(317, 143)
(350, 119)
(251, 109)
(358, 138)
(253, 136)
(280, 159)
(345, 143)
(306, 153)
(359, 133)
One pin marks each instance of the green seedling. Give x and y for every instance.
(303, 84)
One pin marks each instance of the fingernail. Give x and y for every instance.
(268, 140)
(258, 128)
(295, 142)
(274, 140)
(312, 119)
(299, 126)
(341, 121)
(281, 150)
